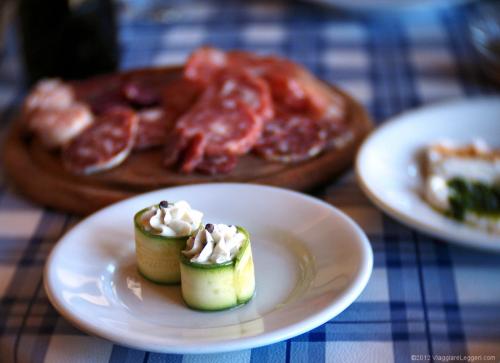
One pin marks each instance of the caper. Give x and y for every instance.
(209, 227)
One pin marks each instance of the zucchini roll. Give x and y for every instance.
(217, 270)
(161, 232)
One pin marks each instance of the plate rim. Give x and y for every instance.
(345, 299)
(482, 242)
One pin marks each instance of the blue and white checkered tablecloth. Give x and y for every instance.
(426, 301)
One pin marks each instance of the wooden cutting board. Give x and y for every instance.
(39, 175)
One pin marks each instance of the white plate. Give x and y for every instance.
(311, 262)
(388, 169)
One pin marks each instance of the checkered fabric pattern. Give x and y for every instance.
(425, 297)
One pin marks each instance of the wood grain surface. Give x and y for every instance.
(39, 175)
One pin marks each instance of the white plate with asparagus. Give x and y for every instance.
(258, 265)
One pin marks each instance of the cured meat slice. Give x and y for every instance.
(49, 93)
(193, 158)
(226, 119)
(217, 164)
(322, 100)
(143, 88)
(97, 86)
(140, 94)
(239, 86)
(227, 127)
(55, 127)
(287, 90)
(290, 84)
(108, 103)
(291, 137)
(179, 95)
(203, 64)
(336, 125)
(295, 87)
(154, 127)
(101, 93)
(281, 75)
(104, 145)
(193, 154)
(175, 144)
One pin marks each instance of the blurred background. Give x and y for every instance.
(374, 49)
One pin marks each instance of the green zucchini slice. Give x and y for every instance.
(157, 256)
(222, 286)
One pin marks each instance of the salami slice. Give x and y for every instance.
(179, 95)
(97, 86)
(175, 144)
(217, 164)
(291, 137)
(337, 128)
(287, 90)
(322, 100)
(280, 74)
(101, 93)
(203, 64)
(107, 103)
(227, 127)
(140, 94)
(290, 83)
(143, 88)
(104, 145)
(232, 86)
(193, 154)
(227, 119)
(154, 127)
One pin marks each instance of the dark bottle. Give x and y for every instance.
(71, 39)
